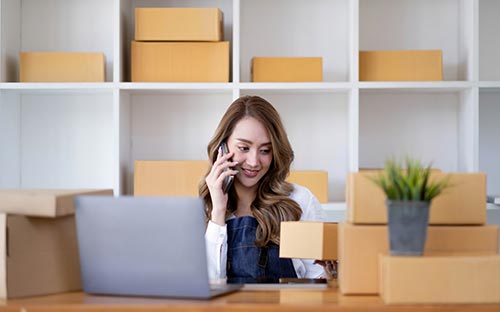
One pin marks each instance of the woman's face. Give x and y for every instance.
(252, 149)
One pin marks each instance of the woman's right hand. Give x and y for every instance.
(214, 181)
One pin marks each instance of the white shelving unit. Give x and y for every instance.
(89, 135)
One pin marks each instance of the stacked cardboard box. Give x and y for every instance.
(179, 45)
(38, 244)
(457, 225)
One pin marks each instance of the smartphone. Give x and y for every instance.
(228, 181)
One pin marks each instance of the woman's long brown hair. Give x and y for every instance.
(272, 203)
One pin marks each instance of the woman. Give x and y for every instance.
(244, 224)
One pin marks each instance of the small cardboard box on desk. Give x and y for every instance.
(308, 240)
(38, 245)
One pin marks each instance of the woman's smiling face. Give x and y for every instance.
(252, 149)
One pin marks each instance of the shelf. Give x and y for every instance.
(489, 41)
(298, 87)
(337, 125)
(26, 88)
(421, 24)
(297, 30)
(55, 25)
(489, 84)
(181, 88)
(439, 86)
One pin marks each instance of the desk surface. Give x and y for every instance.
(270, 300)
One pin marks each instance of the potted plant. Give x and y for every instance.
(409, 194)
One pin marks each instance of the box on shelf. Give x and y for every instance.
(440, 279)
(168, 177)
(61, 67)
(360, 245)
(308, 240)
(178, 24)
(43, 202)
(287, 69)
(464, 202)
(401, 65)
(315, 181)
(180, 61)
(39, 256)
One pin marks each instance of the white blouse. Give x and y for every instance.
(216, 239)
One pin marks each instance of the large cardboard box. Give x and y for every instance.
(401, 65)
(38, 256)
(43, 202)
(182, 178)
(287, 69)
(180, 61)
(308, 240)
(168, 177)
(178, 24)
(315, 181)
(61, 67)
(462, 203)
(440, 279)
(360, 245)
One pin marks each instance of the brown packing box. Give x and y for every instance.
(287, 69)
(39, 256)
(43, 202)
(182, 177)
(178, 24)
(315, 181)
(440, 279)
(360, 245)
(462, 203)
(168, 177)
(401, 65)
(61, 67)
(308, 240)
(180, 61)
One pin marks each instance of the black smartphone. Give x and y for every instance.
(228, 181)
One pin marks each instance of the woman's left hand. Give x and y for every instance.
(330, 267)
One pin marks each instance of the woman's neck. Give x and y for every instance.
(245, 199)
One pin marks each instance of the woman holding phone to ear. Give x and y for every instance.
(244, 223)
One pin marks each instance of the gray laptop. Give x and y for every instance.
(144, 246)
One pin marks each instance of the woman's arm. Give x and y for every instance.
(216, 244)
(311, 211)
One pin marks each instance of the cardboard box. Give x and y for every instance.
(180, 61)
(39, 256)
(178, 24)
(182, 177)
(308, 240)
(168, 177)
(360, 245)
(287, 69)
(401, 65)
(43, 202)
(462, 203)
(440, 279)
(315, 181)
(62, 67)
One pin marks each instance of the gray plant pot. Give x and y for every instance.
(407, 221)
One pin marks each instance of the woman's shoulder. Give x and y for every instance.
(302, 195)
(311, 208)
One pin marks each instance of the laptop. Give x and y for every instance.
(144, 246)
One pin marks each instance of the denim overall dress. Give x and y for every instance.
(246, 262)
